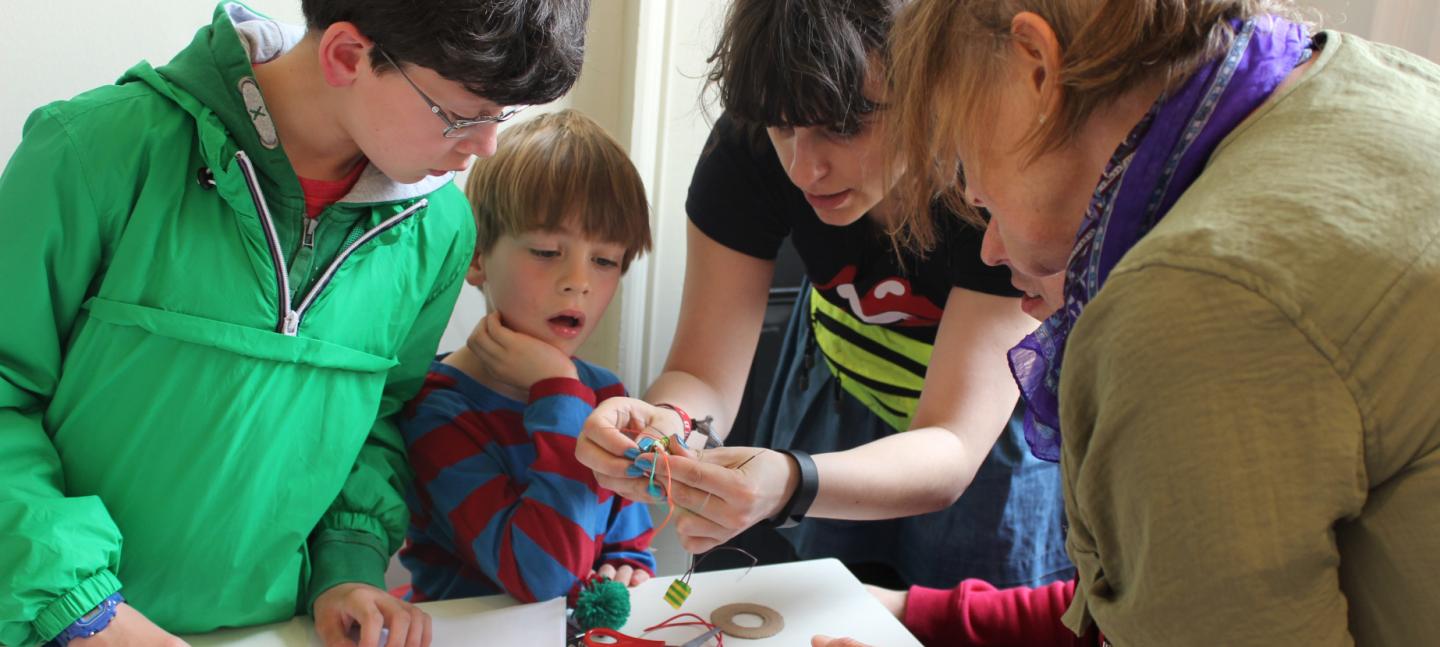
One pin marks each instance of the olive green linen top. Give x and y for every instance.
(1251, 405)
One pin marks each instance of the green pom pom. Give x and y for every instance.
(602, 603)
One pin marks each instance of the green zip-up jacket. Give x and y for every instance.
(194, 386)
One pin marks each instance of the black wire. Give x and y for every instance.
(696, 563)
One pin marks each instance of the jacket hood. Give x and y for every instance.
(213, 79)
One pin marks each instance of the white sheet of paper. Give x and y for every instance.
(814, 597)
(456, 622)
(541, 623)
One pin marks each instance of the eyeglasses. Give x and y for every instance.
(453, 127)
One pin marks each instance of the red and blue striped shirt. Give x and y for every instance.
(499, 504)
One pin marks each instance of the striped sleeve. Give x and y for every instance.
(627, 541)
(507, 493)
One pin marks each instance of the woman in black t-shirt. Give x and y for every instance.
(909, 470)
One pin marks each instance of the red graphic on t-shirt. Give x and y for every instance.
(889, 302)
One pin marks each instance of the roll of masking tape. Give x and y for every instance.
(770, 621)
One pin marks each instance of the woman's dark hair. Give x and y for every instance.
(512, 52)
(800, 62)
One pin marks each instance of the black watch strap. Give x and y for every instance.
(809, 484)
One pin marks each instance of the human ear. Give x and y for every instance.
(344, 52)
(475, 275)
(1037, 52)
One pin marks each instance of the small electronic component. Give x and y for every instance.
(676, 594)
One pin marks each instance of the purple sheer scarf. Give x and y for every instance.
(1155, 164)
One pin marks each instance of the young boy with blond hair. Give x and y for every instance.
(499, 503)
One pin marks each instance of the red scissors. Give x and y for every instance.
(606, 637)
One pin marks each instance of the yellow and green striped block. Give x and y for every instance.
(676, 594)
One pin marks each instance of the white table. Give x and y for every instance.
(817, 596)
(814, 597)
(467, 621)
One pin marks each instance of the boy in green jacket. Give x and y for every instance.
(222, 277)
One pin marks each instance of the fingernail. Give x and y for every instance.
(632, 453)
(655, 491)
(634, 472)
(679, 439)
(645, 464)
(645, 443)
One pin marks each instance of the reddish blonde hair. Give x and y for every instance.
(946, 53)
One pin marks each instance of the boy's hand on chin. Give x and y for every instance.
(515, 358)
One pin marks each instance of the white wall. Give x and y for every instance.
(1353, 16)
(668, 131)
(55, 49)
(1411, 24)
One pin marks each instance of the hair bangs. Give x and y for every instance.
(560, 170)
(799, 62)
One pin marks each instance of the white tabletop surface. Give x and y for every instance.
(814, 597)
(492, 620)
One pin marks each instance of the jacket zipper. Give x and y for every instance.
(369, 235)
(289, 320)
(304, 257)
(311, 224)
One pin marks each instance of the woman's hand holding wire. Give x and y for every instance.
(725, 490)
(607, 443)
(715, 493)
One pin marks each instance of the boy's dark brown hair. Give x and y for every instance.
(554, 167)
(512, 52)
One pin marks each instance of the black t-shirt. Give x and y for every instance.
(741, 197)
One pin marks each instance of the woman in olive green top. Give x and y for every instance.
(1246, 421)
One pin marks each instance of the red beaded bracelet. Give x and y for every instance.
(686, 423)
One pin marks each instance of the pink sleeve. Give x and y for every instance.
(976, 613)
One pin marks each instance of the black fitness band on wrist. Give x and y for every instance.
(809, 484)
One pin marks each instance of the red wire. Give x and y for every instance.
(669, 487)
(662, 456)
(670, 622)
